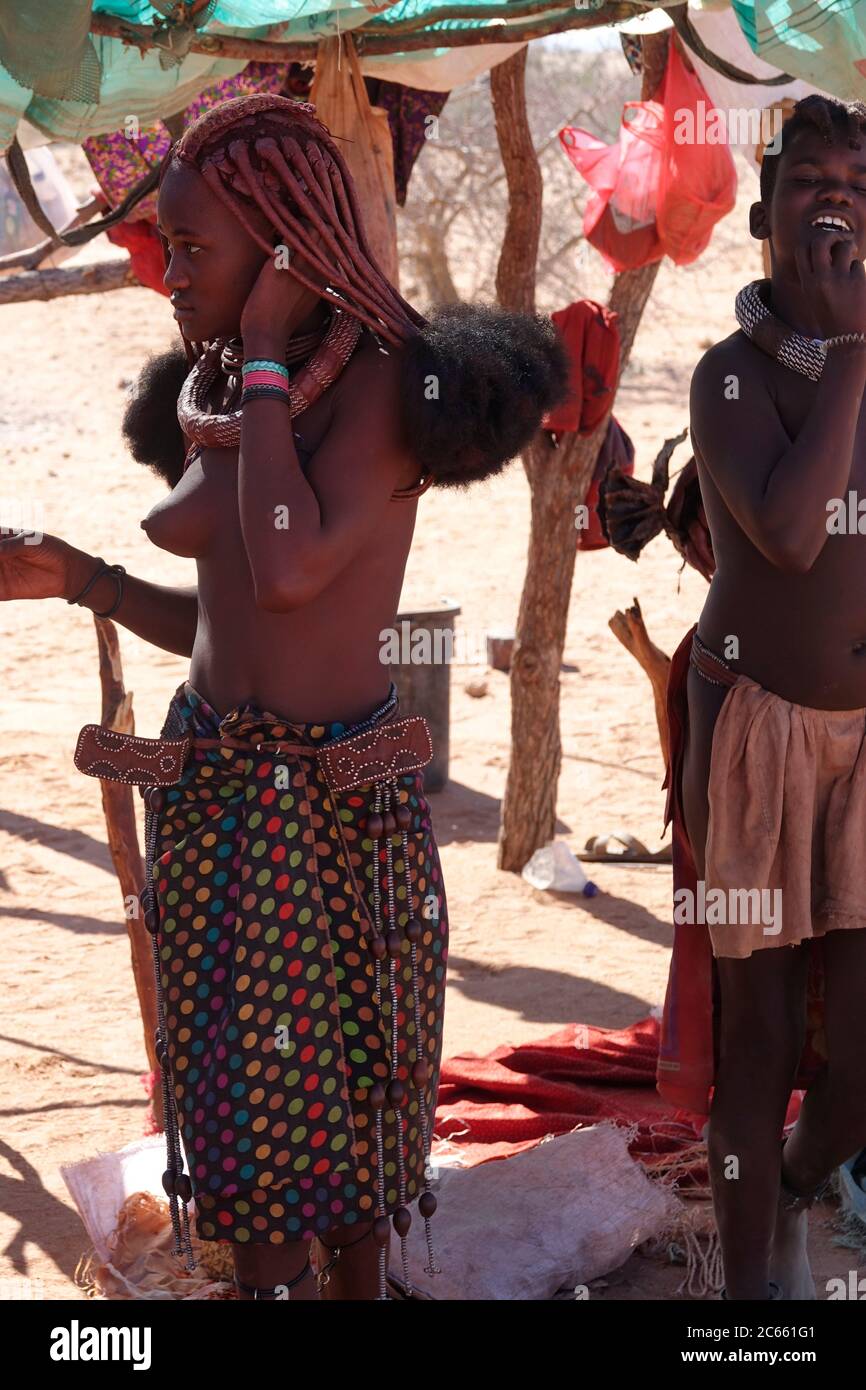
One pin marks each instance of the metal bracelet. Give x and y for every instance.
(117, 572)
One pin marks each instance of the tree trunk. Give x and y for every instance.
(432, 266)
(518, 258)
(559, 478)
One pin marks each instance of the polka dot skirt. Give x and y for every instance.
(264, 884)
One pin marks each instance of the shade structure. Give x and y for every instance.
(71, 68)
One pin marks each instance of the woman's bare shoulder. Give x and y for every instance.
(371, 366)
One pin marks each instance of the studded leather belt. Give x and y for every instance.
(389, 750)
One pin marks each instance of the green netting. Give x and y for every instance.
(47, 46)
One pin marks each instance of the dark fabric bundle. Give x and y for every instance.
(633, 512)
(686, 522)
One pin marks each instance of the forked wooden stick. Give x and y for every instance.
(630, 629)
(120, 821)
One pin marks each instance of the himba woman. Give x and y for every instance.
(300, 932)
(768, 716)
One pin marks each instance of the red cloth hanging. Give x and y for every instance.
(591, 337)
(617, 451)
(664, 185)
(141, 240)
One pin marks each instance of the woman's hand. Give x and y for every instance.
(278, 302)
(51, 569)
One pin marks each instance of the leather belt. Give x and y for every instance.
(375, 755)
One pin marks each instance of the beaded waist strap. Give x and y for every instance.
(712, 667)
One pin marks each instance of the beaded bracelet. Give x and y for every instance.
(264, 364)
(263, 378)
(254, 393)
(117, 572)
(845, 338)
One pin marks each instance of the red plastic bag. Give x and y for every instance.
(655, 193)
(698, 184)
(620, 216)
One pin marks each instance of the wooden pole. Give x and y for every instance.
(144, 37)
(120, 822)
(559, 478)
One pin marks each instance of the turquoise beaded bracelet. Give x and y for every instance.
(262, 364)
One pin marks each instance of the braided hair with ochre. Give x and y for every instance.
(496, 372)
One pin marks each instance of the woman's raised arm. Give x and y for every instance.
(166, 617)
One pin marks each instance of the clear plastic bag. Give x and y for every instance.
(554, 867)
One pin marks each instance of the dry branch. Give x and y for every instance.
(54, 284)
(630, 629)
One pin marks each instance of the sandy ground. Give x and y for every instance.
(522, 963)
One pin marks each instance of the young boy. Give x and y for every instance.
(767, 703)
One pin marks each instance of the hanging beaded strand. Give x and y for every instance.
(176, 1183)
(402, 1217)
(378, 950)
(382, 821)
(420, 1071)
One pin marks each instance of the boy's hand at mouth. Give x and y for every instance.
(833, 280)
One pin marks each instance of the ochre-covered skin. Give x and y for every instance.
(300, 540)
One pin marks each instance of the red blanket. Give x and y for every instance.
(495, 1106)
